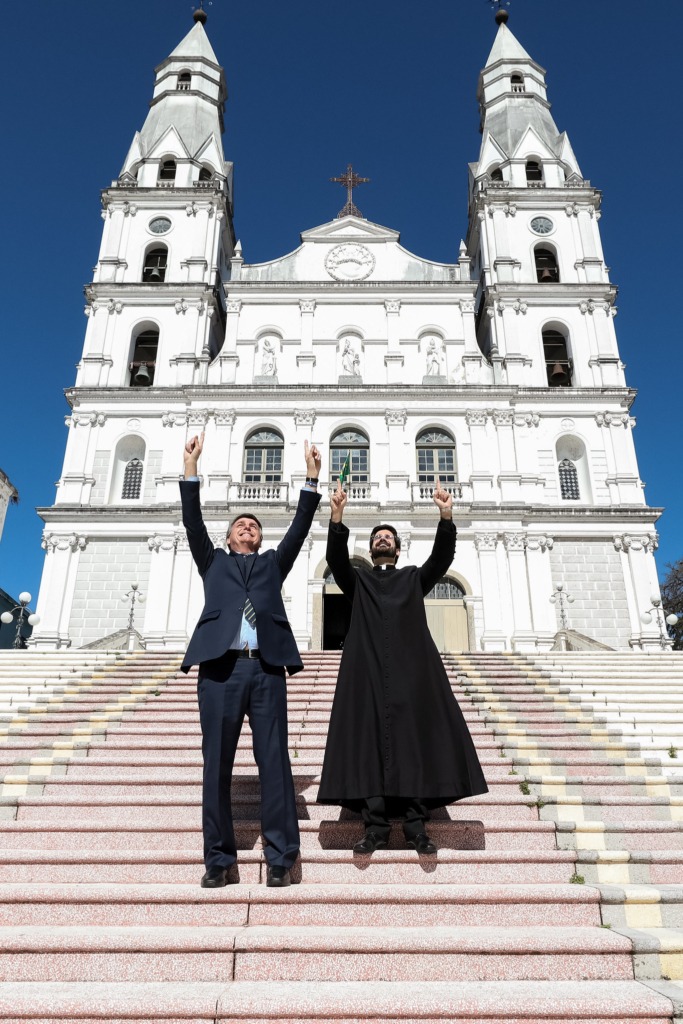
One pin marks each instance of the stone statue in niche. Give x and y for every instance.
(268, 359)
(268, 374)
(433, 358)
(350, 362)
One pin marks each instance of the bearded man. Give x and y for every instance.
(398, 744)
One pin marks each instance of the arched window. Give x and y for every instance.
(167, 170)
(572, 469)
(534, 171)
(557, 362)
(569, 480)
(144, 361)
(132, 480)
(154, 269)
(184, 81)
(496, 174)
(547, 269)
(446, 590)
(435, 458)
(263, 457)
(205, 174)
(128, 469)
(355, 446)
(517, 83)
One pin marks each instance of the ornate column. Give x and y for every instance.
(393, 359)
(305, 360)
(304, 421)
(640, 553)
(76, 483)
(509, 479)
(397, 480)
(624, 483)
(159, 588)
(493, 637)
(482, 479)
(178, 627)
(523, 637)
(221, 478)
(229, 360)
(538, 547)
(57, 589)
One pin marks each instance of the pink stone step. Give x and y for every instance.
(300, 905)
(183, 809)
(496, 1002)
(314, 953)
(88, 835)
(315, 866)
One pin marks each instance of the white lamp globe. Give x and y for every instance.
(655, 600)
(646, 618)
(33, 620)
(24, 597)
(6, 617)
(672, 619)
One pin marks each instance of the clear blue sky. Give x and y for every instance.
(389, 85)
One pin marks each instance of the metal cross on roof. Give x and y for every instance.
(350, 180)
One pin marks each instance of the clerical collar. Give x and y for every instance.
(242, 554)
(383, 567)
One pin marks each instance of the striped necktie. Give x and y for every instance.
(249, 613)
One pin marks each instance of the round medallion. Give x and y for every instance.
(160, 225)
(567, 424)
(349, 262)
(542, 225)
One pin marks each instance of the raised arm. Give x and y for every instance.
(309, 499)
(439, 561)
(198, 538)
(337, 553)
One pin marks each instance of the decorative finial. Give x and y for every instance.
(499, 7)
(199, 12)
(350, 180)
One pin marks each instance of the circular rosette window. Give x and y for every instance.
(349, 262)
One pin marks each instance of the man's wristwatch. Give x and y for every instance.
(311, 481)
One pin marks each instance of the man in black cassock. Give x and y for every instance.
(397, 744)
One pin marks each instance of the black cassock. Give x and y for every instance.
(396, 729)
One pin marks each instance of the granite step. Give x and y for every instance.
(359, 906)
(270, 953)
(346, 1002)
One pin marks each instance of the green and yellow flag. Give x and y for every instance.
(345, 470)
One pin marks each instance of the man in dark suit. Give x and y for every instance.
(242, 644)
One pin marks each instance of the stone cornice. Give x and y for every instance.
(298, 288)
(227, 393)
(512, 516)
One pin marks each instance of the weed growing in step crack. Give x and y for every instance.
(524, 788)
(672, 751)
(577, 879)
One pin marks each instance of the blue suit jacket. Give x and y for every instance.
(225, 590)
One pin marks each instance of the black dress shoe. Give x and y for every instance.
(277, 876)
(215, 878)
(422, 843)
(371, 841)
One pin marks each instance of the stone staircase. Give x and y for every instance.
(558, 896)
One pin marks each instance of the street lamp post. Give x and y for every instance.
(662, 620)
(32, 619)
(133, 595)
(562, 598)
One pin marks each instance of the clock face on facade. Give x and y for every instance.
(542, 225)
(160, 225)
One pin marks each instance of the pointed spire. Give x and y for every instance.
(186, 111)
(513, 102)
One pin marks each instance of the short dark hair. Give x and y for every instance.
(386, 526)
(246, 515)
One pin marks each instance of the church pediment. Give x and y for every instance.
(532, 145)
(350, 227)
(349, 250)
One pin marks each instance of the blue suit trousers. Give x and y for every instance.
(228, 689)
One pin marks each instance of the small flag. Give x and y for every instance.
(345, 470)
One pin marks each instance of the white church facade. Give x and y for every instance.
(500, 373)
